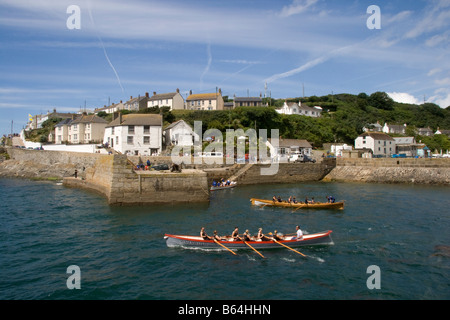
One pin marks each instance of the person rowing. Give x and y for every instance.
(275, 236)
(204, 235)
(261, 236)
(235, 235)
(216, 236)
(246, 236)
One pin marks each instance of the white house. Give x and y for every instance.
(288, 147)
(180, 134)
(394, 128)
(174, 100)
(381, 144)
(135, 134)
(291, 108)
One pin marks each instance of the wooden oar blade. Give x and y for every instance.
(224, 247)
(282, 244)
(254, 249)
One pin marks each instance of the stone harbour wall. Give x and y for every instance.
(415, 171)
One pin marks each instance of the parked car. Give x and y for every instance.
(307, 159)
(161, 167)
(298, 157)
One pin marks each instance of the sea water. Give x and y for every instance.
(121, 252)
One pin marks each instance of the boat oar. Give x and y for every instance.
(254, 249)
(288, 247)
(224, 247)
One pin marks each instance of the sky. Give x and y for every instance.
(55, 57)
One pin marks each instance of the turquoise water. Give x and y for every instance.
(402, 229)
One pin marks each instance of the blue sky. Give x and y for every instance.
(127, 48)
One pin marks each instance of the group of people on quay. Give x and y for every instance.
(235, 236)
(222, 183)
(291, 199)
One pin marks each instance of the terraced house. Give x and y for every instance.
(85, 129)
(205, 101)
(135, 134)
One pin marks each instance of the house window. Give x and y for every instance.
(130, 129)
(146, 129)
(74, 127)
(146, 139)
(117, 140)
(112, 130)
(75, 137)
(130, 140)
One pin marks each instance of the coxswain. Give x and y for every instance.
(299, 233)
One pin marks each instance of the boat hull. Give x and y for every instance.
(222, 188)
(321, 238)
(325, 205)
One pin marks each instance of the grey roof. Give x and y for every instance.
(247, 99)
(377, 136)
(288, 143)
(174, 124)
(162, 96)
(405, 140)
(137, 120)
(92, 118)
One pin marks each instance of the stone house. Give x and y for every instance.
(381, 144)
(247, 102)
(137, 103)
(174, 100)
(205, 101)
(135, 134)
(86, 129)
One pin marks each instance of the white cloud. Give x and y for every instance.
(298, 6)
(434, 71)
(403, 97)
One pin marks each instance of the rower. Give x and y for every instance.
(235, 234)
(261, 236)
(247, 236)
(274, 199)
(216, 237)
(275, 236)
(204, 235)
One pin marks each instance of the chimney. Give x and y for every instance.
(146, 94)
(220, 91)
(178, 90)
(190, 92)
(131, 97)
(154, 93)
